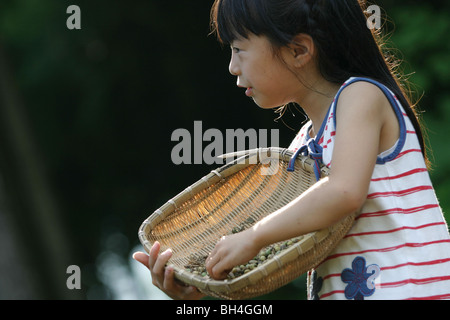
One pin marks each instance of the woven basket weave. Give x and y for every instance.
(252, 186)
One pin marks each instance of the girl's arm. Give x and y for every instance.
(363, 114)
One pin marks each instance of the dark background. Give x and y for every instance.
(86, 118)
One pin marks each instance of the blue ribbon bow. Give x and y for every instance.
(314, 150)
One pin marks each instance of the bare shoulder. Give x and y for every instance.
(363, 91)
(365, 101)
(364, 106)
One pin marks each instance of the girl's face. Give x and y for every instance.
(267, 79)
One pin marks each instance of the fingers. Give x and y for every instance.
(163, 276)
(150, 259)
(153, 255)
(155, 262)
(169, 283)
(161, 262)
(141, 257)
(212, 266)
(216, 266)
(220, 271)
(159, 268)
(177, 290)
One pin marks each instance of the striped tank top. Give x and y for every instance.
(399, 245)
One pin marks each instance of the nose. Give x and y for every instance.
(233, 67)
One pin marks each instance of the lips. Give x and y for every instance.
(248, 90)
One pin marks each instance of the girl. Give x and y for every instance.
(321, 55)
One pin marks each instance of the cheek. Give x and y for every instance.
(270, 96)
(277, 86)
(274, 85)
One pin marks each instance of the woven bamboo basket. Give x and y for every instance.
(246, 189)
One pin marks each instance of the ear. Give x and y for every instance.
(302, 49)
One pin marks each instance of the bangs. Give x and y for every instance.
(234, 19)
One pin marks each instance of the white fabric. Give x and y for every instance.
(400, 233)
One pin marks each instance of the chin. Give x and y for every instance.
(266, 106)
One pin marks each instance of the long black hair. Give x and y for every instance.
(346, 46)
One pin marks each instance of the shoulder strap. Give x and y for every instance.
(395, 106)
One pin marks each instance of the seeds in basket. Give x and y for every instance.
(197, 266)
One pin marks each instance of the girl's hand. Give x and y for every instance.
(229, 252)
(163, 277)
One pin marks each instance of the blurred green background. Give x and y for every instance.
(86, 118)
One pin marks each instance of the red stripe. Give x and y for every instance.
(400, 193)
(401, 154)
(410, 131)
(437, 297)
(417, 264)
(414, 264)
(388, 249)
(331, 275)
(397, 211)
(333, 133)
(395, 230)
(402, 283)
(405, 174)
(414, 281)
(325, 295)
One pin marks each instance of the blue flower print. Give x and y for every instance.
(360, 279)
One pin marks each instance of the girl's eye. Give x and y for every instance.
(236, 50)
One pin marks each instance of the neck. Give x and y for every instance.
(316, 100)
